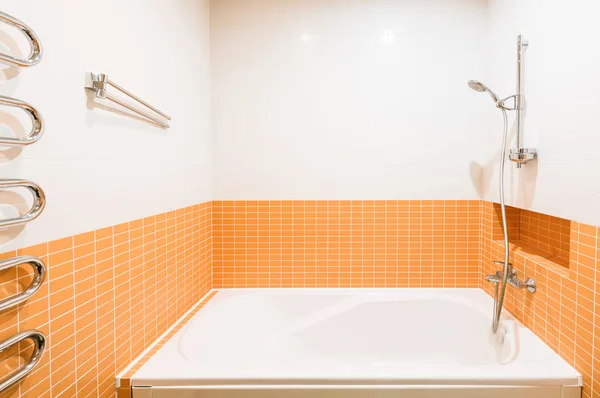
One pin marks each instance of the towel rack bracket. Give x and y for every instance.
(97, 82)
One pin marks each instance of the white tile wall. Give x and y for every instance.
(354, 99)
(344, 99)
(96, 167)
(562, 82)
(348, 99)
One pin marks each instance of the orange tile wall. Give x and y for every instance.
(420, 244)
(564, 312)
(546, 233)
(109, 294)
(513, 218)
(124, 391)
(102, 303)
(548, 236)
(346, 243)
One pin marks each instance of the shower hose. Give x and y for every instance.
(500, 291)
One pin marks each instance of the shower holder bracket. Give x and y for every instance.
(522, 155)
(503, 103)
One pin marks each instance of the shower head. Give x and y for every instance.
(481, 88)
(477, 86)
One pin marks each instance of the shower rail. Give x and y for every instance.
(39, 272)
(39, 341)
(99, 82)
(39, 201)
(36, 46)
(37, 129)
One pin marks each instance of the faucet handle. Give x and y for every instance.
(529, 284)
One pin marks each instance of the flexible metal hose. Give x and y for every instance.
(501, 292)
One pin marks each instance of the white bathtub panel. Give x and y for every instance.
(351, 392)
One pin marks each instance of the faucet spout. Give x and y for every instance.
(495, 278)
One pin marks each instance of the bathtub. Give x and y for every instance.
(353, 343)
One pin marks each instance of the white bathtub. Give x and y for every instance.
(353, 343)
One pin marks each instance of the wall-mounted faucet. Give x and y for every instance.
(513, 279)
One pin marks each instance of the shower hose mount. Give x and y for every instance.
(522, 155)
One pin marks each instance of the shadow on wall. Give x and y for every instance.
(13, 205)
(527, 177)
(9, 46)
(527, 183)
(15, 126)
(482, 176)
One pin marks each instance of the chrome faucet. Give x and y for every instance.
(513, 279)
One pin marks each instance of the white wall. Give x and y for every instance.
(348, 99)
(344, 99)
(562, 85)
(97, 167)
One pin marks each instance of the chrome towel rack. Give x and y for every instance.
(37, 129)
(36, 53)
(39, 201)
(39, 341)
(99, 82)
(39, 272)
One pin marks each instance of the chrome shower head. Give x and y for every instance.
(477, 86)
(481, 88)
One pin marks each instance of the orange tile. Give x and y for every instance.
(302, 244)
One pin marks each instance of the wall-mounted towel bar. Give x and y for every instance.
(39, 274)
(99, 83)
(36, 53)
(39, 341)
(39, 201)
(37, 122)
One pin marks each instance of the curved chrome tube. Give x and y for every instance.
(37, 129)
(39, 201)
(39, 341)
(501, 291)
(39, 271)
(36, 46)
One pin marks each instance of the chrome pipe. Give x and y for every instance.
(37, 129)
(138, 99)
(39, 341)
(35, 56)
(518, 104)
(39, 201)
(39, 272)
(133, 109)
(518, 95)
(98, 83)
(520, 155)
